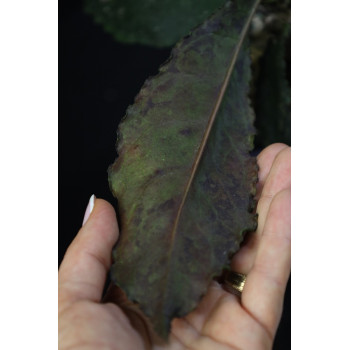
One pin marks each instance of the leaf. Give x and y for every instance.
(184, 177)
(157, 23)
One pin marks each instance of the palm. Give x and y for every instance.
(221, 320)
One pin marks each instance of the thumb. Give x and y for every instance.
(82, 273)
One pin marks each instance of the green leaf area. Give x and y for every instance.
(157, 23)
(184, 177)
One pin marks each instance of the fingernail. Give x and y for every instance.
(89, 208)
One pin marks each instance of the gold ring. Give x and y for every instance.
(234, 282)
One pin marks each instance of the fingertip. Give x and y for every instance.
(103, 219)
(272, 150)
(279, 174)
(266, 158)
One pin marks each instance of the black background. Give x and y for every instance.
(98, 79)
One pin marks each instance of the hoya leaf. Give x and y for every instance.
(157, 23)
(184, 177)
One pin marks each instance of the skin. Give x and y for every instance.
(221, 321)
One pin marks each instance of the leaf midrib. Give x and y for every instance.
(208, 129)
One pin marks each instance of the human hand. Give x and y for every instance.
(221, 320)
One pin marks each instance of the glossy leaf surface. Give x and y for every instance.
(184, 177)
(157, 23)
